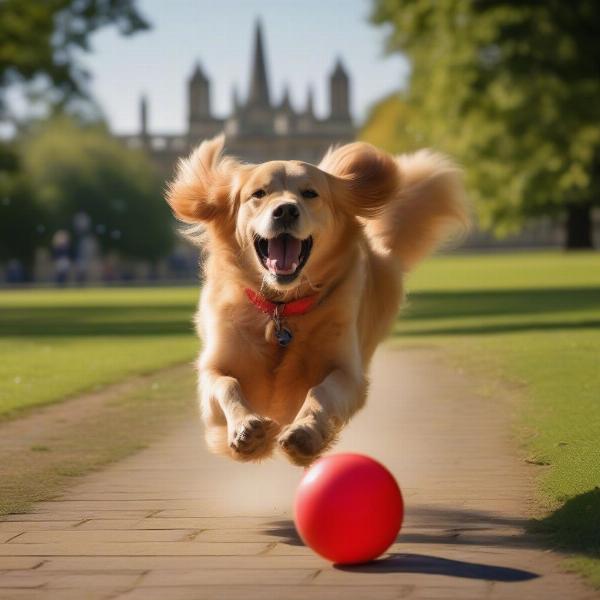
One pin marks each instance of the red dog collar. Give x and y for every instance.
(281, 309)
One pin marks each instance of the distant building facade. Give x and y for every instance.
(258, 128)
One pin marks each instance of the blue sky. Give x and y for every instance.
(302, 38)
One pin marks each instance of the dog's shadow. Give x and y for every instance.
(413, 563)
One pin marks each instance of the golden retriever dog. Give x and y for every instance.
(303, 274)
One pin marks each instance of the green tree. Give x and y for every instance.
(512, 89)
(72, 168)
(21, 221)
(390, 125)
(40, 40)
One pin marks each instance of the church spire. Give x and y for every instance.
(143, 115)
(235, 99)
(259, 86)
(339, 92)
(198, 96)
(310, 102)
(198, 75)
(286, 103)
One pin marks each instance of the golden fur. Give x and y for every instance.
(375, 216)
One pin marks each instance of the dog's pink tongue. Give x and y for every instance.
(284, 254)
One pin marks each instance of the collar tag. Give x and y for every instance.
(284, 336)
(282, 333)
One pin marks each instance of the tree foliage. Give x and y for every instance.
(510, 87)
(390, 125)
(72, 168)
(21, 228)
(59, 168)
(41, 39)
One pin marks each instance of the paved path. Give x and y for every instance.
(174, 523)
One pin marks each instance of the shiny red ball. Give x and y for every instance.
(348, 508)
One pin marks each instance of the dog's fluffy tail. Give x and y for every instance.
(429, 209)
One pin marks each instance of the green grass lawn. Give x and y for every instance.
(532, 320)
(58, 343)
(135, 418)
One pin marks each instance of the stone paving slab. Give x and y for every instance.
(176, 523)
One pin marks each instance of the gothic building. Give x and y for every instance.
(258, 128)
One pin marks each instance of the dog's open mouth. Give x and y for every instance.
(284, 255)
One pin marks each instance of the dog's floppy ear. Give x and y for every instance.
(364, 178)
(201, 189)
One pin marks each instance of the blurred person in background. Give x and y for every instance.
(85, 247)
(61, 246)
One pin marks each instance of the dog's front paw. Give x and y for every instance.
(252, 437)
(304, 441)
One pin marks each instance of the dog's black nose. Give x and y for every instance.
(286, 214)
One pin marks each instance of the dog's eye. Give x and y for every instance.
(309, 193)
(259, 193)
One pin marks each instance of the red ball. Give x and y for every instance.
(348, 508)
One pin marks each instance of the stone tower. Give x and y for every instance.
(143, 116)
(339, 93)
(198, 103)
(258, 95)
